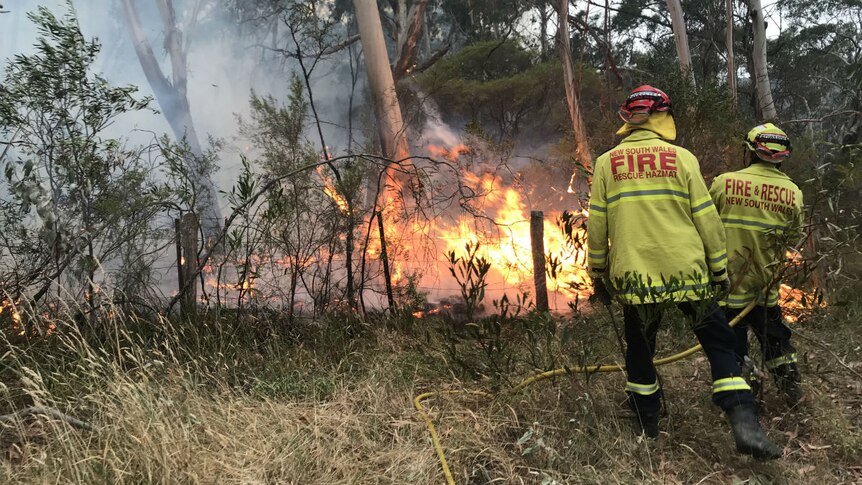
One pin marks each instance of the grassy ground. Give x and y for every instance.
(330, 402)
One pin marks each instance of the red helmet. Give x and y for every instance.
(642, 102)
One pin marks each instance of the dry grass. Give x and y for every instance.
(231, 409)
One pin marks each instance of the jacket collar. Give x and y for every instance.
(661, 123)
(765, 170)
(640, 135)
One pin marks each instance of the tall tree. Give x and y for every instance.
(680, 36)
(728, 41)
(564, 41)
(387, 110)
(763, 102)
(408, 30)
(172, 97)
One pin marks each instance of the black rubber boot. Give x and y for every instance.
(647, 424)
(750, 438)
(645, 421)
(787, 381)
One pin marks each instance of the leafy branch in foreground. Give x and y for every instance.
(76, 199)
(470, 271)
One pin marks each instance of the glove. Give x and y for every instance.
(721, 285)
(600, 292)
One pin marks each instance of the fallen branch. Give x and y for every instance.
(50, 412)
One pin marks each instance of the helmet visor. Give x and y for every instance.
(767, 154)
(634, 117)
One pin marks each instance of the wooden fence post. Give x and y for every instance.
(537, 243)
(187, 248)
(180, 282)
(385, 258)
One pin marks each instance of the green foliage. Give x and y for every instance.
(303, 218)
(279, 131)
(484, 19)
(819, 68)
(77, 199)
(574, 229)
(473, 82)
(485, 61)
(501, 349)
(508, 308)
(470, 272)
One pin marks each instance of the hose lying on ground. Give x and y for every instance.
(589, 369)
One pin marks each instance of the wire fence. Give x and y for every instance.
(419, 264)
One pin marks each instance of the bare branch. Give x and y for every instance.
(584, 26)
(849, 112)
(824, 346)
(663, 23)
(339, 46)
(436, 56)
(238, 210)
(316, 56)
(50, 412)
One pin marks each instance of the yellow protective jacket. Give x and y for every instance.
(761, 209)
(652, 220)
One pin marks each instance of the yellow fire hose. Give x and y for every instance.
(589, 369)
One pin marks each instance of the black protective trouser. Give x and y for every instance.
(715, 335)
(768, 326)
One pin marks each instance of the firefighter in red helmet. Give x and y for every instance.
(654, 239)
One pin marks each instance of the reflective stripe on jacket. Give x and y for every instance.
(761, 209)
(652, 220)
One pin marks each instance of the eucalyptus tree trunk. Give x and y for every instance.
(731, 63)
(173, 100)
(387, 110)
(564, 41)
(680, 37)
(544, 17)
(762, 89)
(409, 25)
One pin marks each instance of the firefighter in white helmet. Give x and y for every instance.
(761, 209)
(655, 239)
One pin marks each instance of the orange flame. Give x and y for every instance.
(330, 190)
(449, 153)
(246, 285)
(510, 252)
(504, 237)
(17, 320)
(795, 302)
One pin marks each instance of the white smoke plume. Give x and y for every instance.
(223, 68)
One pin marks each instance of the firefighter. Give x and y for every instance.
(761, 209)
(655, 239)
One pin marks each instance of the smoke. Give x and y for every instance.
(224, 66)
